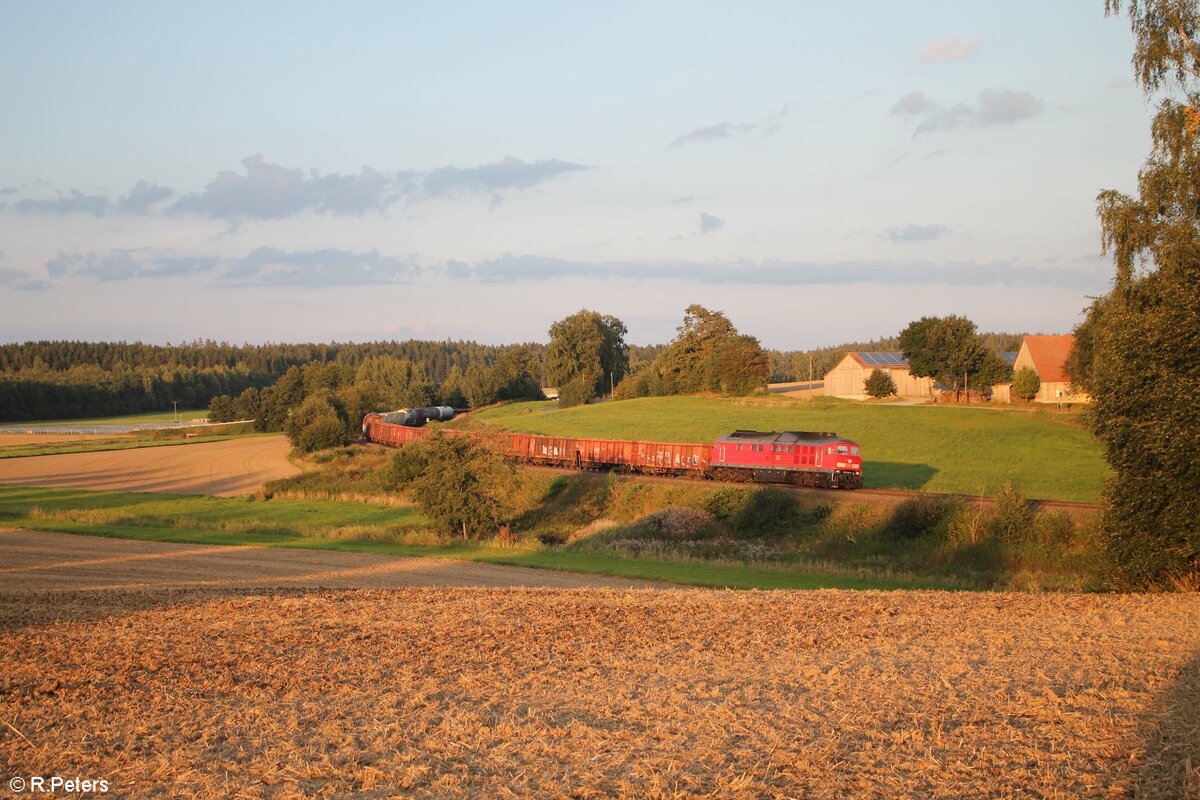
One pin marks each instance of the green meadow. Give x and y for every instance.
(928, 448)
(360, 527)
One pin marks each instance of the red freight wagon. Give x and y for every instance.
(796, 457)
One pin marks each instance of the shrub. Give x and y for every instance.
(879, 384)
(767, 510)
(1012, 519)
(323, 432)
(406, 466)
(1026, 384)
(726, 503)
(917, 517)
(575, 392)
(683, 523)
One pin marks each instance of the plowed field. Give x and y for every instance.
(238, 466)
(598, 693)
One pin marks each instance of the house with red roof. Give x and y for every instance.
(1047, 356)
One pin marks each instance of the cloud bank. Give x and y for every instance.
(268, 266)
(993, 107)
(267, 191)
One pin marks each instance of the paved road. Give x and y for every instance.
(41, 561)
(234, 467)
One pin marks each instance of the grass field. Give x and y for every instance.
(359, 527)
(929, 448)
(478, 693)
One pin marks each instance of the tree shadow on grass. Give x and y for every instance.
(896, 475)
(1169, 762)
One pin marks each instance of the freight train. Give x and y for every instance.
(800, 458)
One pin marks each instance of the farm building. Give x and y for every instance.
(1046, 355)
(846, 379)
(1002, 392)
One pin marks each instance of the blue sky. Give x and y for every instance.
(257, 172)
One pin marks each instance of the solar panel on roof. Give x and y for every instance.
(884, 359)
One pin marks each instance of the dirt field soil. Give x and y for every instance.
(595, 693)
(238, 466)
(41, 561)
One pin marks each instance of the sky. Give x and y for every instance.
(821, 172)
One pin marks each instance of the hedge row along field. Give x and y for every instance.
(927, 448)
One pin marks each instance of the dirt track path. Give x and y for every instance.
(41, 561)
(238, 466)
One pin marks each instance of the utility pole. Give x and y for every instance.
(610, 384)
(810, 376)
(176, 404)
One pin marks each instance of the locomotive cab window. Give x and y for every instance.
(843, 450)
(853, 451)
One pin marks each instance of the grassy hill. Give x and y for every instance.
(930, 448)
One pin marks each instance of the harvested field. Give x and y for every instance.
(238, 466)
(596, 693)
(38, 561)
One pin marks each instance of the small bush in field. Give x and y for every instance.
(917, 517)
(683, 523)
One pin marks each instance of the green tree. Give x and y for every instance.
(221, 409)
(1141, 342)
(458, 481)
(879, 384)
(949, 350)
(1026, 384)
(312, 425)
(452, 393)
(737, 366)
(684, 363)
(588, 348)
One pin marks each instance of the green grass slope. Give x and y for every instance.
(928, 448)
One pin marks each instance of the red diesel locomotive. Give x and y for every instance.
(823, 460)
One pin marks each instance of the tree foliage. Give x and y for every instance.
(459, 482)
(1140, 344)
(587, 350)
(949, 350)
(879, 384)
(706, 355)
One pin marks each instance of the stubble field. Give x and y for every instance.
(597, 693)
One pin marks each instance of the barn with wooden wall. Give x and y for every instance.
(1047, 356)
(846, 379)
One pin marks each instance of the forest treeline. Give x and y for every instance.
(64, 379)
(70, 379)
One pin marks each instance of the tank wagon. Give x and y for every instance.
(799, 458)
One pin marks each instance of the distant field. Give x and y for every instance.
(226, 466)
(185, 415)
(929, 448)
